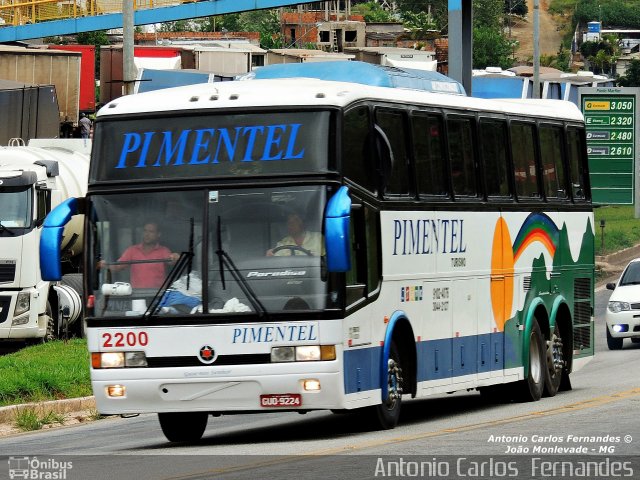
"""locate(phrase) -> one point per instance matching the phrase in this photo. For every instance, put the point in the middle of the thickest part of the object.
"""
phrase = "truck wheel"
(75, 281)
(183, 426)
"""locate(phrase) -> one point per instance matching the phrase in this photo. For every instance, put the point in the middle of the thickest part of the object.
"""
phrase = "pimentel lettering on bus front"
(278, 333)
(205, 145)
(427, 236)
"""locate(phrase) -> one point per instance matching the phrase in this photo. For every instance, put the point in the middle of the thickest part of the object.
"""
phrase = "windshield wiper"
(6, 229)
(225, 259)
(184, 261)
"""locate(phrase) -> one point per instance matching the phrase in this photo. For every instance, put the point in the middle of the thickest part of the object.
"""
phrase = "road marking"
(572, 407)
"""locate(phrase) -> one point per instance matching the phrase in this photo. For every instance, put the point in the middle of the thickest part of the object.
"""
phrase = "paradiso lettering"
(426, 237)
(210, 146)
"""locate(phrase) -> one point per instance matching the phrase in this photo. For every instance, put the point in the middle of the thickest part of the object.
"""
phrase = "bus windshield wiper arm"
(183, 261)
(5, 229)
(225, 259)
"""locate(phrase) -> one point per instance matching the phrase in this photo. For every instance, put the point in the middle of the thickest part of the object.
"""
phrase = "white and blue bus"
(333, 246)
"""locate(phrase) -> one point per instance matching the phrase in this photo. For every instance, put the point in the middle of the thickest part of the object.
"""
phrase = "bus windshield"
(255, 250)
(16, 207)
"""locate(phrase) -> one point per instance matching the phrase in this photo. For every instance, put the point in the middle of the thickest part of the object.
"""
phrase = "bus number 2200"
(125, 339)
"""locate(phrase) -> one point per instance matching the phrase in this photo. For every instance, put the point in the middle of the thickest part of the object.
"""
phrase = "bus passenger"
(147, 273)
(299, 240)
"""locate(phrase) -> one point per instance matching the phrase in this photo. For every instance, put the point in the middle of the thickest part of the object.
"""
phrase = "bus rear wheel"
(183, 426)
(530, 389)
(555, 363)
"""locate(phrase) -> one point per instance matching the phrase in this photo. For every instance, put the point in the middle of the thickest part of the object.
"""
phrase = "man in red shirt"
(146, 275)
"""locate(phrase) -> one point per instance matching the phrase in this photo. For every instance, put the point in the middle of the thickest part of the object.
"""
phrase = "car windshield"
(16, 207)
(257, 250)
(631, 275)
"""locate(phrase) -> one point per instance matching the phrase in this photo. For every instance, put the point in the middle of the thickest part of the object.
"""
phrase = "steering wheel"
(292, 248)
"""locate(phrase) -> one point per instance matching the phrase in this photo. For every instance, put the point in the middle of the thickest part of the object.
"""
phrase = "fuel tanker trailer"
(34, 179)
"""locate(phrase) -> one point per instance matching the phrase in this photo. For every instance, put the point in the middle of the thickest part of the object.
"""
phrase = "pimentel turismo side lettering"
(424, 237)
(206, 144)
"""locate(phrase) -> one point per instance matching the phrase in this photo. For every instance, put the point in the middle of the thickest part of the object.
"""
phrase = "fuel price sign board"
(610, 115)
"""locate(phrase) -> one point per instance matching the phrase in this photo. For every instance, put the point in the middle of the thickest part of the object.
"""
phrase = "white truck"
(33, 180)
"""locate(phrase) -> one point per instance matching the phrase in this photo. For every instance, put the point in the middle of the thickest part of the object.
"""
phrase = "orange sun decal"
(537, 228)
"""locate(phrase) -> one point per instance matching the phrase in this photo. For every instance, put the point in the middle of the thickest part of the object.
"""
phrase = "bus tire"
(530, 389)
(556, 363)
(612, 342)
(183, 426)
(387, 413)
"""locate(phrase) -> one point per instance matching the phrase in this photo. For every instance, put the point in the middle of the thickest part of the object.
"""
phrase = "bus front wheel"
(388, 412)
(183, 427)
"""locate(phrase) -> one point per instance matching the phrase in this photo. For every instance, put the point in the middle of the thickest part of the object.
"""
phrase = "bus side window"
(493, 148)
(553, 174)
(364, 276)
(575, 149)
(523, 150)
(428, 154)
(357, 155)
(461, 156)
(392, 124)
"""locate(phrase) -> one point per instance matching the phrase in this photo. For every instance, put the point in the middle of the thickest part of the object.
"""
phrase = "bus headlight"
(308, 353)
(118, 359)
(283, 354)
(303, 353)
(23, 302)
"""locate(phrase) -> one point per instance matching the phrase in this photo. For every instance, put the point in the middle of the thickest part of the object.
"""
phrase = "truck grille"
(7, 270)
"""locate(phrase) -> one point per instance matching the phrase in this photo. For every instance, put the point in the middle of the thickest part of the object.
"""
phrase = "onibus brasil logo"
(34, 468)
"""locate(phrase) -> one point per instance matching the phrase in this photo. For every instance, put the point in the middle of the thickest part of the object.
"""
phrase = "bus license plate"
(281, 400)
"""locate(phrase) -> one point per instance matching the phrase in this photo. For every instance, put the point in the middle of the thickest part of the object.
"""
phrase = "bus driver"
(299, 240)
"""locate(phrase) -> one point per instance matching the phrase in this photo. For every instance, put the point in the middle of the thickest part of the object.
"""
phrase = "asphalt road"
(598, 417)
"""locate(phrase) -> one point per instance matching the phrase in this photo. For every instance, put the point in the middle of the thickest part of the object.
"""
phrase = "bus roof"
(307, 92)
(364, 73)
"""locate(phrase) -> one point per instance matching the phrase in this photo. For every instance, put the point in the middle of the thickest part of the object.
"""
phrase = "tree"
(490, 49)
(418, 23)
(488, 14)
(372, 12)
(602, 54)
(439, 10)
(266, 22)
(632, 76)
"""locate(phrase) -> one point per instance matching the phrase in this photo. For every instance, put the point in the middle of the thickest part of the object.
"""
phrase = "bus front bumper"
(256, 393)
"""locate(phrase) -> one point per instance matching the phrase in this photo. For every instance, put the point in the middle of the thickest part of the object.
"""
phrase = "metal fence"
(22, 12)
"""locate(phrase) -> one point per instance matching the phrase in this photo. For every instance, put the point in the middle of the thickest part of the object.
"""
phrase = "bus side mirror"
(336, 231)
(51, 238)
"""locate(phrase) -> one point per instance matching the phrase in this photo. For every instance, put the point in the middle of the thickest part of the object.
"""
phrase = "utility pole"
(536, 48)
(128, 65)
